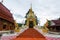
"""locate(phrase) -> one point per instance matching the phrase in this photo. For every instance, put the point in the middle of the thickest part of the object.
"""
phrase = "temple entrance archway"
(31, 24)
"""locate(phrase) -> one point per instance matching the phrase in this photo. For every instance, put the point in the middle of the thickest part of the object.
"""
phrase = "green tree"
(36, 20)
(19, 24)
(49, 23)
(25, 22)
(27, 14)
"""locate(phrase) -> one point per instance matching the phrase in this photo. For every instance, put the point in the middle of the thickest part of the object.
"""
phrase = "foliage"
(49, 23)
(36, 20)
(27, 14)
(25, 22)
(19, 24)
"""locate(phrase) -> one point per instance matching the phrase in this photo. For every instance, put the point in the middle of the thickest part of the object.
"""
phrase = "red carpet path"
(30, 34)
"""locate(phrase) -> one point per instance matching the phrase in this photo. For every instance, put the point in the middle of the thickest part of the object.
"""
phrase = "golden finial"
(31, 7)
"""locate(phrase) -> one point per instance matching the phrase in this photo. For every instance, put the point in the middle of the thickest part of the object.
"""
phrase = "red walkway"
(30, 34)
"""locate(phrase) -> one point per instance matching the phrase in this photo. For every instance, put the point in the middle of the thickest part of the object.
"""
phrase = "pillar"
(1, 25)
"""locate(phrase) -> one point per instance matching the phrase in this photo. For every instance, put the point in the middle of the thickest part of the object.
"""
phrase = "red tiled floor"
(30, 34)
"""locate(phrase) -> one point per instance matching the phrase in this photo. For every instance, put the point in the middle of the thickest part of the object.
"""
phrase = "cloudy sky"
(44, 9)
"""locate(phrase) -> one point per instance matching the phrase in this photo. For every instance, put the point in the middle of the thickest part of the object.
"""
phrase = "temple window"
(4, 26)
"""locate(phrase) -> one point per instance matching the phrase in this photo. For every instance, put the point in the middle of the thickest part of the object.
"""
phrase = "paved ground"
(30, 34)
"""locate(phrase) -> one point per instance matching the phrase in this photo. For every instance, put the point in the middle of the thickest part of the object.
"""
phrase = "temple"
(53, 25)
(31, 18)
(6, 19)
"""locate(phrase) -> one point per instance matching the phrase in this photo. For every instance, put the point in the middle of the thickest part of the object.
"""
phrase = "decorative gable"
(52, 23)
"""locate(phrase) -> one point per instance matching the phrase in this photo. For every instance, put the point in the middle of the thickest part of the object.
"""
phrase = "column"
(1, 25)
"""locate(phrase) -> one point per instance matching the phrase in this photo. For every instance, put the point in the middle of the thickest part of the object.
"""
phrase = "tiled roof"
(57, 22)
(5, 13)
(2, 7)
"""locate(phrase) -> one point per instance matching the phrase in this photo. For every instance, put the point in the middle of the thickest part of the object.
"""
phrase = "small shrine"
(31, 18)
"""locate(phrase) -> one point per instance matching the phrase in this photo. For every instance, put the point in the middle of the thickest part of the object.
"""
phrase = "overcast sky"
(44, 9)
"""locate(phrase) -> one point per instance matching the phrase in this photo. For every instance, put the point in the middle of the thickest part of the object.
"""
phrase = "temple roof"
(2, 7)
(5, 13)
(57, 22)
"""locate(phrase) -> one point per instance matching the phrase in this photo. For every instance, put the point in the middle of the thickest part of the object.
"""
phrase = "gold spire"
(31, 7)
